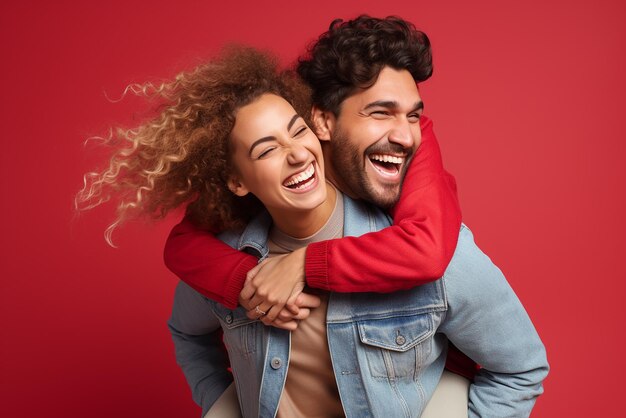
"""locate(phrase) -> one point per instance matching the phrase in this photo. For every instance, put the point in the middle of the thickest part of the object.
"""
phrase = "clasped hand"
(273, 289)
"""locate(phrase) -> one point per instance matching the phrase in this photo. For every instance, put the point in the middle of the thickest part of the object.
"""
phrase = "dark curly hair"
(182, 155)
(351, 54)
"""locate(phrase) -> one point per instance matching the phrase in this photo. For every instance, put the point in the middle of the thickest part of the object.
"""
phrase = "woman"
(234, 147)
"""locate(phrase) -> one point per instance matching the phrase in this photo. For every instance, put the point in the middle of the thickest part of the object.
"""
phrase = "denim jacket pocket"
(240, 332)
(395, 347)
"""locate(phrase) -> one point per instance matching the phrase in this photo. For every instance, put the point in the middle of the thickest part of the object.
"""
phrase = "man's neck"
(333, 177)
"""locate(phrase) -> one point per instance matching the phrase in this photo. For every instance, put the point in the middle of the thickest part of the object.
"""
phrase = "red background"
(528, 103)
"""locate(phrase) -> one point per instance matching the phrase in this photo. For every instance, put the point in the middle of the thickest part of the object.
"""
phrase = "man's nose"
(297, 154)
(406, 134)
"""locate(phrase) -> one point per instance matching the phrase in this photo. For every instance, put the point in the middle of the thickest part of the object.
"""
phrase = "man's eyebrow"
(259, 142)
(389, 104)
(392, 104)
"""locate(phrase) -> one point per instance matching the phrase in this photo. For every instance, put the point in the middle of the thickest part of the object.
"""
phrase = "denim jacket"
(388, 350)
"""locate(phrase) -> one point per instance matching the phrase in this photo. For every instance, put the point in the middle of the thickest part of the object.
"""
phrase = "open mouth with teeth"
(302, 180)
(387, 165)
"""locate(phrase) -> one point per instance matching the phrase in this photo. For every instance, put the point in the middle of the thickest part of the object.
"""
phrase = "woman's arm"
(199, 349)
(488, 323)
(427, 220)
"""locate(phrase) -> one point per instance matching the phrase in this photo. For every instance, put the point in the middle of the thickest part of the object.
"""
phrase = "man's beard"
(349, 164)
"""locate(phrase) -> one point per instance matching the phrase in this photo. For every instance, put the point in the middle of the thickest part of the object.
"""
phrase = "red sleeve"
(207, 264)
(415, 250)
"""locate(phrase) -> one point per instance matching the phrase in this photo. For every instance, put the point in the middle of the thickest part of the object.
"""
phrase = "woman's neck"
(302, 224)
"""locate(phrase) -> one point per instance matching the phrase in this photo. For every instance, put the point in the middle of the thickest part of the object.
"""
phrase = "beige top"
(310, 388)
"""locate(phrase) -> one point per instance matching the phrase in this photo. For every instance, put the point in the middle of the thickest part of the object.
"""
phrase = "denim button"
(229, 318)
(400, 340)
(276, 363)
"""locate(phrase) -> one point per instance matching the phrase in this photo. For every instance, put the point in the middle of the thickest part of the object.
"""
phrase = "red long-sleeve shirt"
(415, 250)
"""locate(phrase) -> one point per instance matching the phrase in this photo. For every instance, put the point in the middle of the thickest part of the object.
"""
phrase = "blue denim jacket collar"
(253, 239)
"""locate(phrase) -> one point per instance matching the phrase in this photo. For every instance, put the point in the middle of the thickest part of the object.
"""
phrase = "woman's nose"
(297, 154)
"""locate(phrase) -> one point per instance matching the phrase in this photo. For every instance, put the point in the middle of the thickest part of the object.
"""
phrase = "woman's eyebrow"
(293, 120)
(259, 142)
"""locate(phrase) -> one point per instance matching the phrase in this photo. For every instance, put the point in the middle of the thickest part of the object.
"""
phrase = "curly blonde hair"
(182, 155)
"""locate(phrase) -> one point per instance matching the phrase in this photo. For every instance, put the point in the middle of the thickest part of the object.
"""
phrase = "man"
(367, 115)
(426, 218)
(426, 226)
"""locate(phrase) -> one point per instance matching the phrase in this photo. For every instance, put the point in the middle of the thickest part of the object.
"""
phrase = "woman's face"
(277, 157)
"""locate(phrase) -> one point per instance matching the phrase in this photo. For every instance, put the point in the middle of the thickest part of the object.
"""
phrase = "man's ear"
(237, 187)
(323, 123)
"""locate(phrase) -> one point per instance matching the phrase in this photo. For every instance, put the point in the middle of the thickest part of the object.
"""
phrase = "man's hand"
(273, 284)
(286, 318)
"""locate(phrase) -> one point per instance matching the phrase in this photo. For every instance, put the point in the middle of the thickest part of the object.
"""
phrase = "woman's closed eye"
(272, 144)
(300, 131)
(266, 152)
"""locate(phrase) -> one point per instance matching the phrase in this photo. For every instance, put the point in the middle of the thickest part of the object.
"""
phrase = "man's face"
(374, 137)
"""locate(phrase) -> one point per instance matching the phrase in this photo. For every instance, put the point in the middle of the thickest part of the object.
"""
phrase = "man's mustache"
(389, 148)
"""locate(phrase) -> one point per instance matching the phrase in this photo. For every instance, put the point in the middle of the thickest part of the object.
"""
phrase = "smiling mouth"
(301, 179)
(388, 165)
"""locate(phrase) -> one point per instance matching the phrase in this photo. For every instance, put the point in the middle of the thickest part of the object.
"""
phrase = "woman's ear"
(237, 187)
(323, 123)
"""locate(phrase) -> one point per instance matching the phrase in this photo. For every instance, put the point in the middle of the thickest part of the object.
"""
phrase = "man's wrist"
(316, 265)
